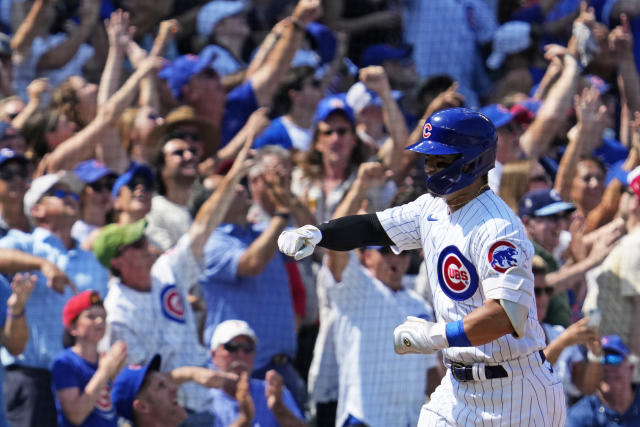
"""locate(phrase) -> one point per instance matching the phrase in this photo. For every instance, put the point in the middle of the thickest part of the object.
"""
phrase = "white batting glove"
(299, 243)
(417, 335)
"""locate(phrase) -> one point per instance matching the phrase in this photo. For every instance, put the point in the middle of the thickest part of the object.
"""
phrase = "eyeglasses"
(7, 174)
(339, 131)
(612, 359)
(140, 180)
(102, 185)
(315, 83)
(183, 134)
(233, 347)
(62, 194)
(548, 290)
(180, 152)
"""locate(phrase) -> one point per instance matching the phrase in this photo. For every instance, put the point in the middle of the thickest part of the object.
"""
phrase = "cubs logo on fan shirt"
(103, 403)
(502, 256)
(457, 276)
(171, 303)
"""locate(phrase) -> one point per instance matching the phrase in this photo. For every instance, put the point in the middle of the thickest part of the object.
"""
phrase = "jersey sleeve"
(63, 374)
(402, 223)
(501, 245)
(186, 269)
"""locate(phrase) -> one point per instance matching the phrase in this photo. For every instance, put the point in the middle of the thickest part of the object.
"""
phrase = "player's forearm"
(354, 231)
(487, 323)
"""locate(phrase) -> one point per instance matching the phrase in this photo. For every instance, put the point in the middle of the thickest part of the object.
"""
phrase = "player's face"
(387, 267)
(161, 399)
(236, 356)
(435, 163)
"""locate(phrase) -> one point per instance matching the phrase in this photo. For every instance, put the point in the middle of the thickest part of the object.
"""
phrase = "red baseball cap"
(79, 303)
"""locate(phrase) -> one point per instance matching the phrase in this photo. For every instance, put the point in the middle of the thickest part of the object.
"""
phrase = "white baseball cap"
(228, 330)
(511, 37)
(42, 184)
(215, 11)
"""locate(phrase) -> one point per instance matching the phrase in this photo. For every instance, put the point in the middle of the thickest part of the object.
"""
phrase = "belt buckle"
(458, 365)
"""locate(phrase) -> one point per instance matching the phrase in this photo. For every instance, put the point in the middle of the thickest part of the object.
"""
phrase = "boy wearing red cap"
(81, 378)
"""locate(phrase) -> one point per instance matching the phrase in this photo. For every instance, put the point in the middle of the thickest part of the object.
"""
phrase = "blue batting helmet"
(458, 131)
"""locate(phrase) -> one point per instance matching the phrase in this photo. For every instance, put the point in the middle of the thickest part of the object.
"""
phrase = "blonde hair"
(514, 182)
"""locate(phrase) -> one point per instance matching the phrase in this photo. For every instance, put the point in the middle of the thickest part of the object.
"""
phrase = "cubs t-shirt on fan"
(70, 370)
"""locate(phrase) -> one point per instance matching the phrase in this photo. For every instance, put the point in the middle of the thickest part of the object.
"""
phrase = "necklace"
(454, 206)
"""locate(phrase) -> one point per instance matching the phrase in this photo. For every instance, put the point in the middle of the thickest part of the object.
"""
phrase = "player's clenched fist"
(417, 335)
(299, 243)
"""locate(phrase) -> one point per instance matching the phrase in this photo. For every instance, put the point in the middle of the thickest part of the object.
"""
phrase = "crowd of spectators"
(151, 152)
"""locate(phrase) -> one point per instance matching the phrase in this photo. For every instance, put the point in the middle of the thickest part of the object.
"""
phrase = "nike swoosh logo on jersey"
(431, 218)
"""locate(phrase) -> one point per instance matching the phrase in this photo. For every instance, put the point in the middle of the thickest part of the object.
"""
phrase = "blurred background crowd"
(151, 152)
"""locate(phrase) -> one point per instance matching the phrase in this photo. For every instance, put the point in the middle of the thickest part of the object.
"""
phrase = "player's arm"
(341, 234)
(494, 319)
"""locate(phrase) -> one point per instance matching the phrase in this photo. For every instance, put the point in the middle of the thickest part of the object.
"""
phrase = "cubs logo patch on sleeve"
(457, 276)
(171, 303)
(502, 256)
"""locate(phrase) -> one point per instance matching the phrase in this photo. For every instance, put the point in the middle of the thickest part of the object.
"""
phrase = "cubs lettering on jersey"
(171, 303)
(457, 276)
(502, 256)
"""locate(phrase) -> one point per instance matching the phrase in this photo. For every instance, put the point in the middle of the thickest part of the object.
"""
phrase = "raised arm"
(119, 33)
(215, 208)
(266, 79)
(14, 261)
(369, 174)
(375, 79)
(60, 55)
(28, 29)
(16, 333)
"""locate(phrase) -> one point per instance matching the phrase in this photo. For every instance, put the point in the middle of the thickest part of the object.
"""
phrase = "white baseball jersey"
(466, 254)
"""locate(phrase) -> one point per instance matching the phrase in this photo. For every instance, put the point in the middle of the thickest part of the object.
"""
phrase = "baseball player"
(479, 271)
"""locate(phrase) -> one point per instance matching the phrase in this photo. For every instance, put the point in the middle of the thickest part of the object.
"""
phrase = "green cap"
(113, 237)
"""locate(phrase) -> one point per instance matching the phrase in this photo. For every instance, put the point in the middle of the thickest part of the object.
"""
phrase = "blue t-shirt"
(5, 293)
(225, 407)
(70, 370)
(241, 102)
(590, 412)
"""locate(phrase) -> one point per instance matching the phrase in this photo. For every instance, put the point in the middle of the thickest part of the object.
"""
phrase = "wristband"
(592, 358)
(456, 335)
(12, 315)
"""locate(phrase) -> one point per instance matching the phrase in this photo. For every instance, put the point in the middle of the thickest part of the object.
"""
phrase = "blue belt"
(465, 373)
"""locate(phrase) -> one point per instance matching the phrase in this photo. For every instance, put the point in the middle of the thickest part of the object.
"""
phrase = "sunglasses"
(233, 347)
(102, 185)
(612, 359)
(339, 131)
(7, 174)
(548, 290)
(184, 135)
(62, 194)
(180, 152)
(139, 180)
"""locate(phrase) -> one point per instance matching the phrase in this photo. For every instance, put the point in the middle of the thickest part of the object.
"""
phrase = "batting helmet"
(458, 131)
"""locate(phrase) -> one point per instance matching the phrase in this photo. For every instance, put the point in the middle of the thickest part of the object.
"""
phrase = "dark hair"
(35, 131)
(594, 159)
(68, 340)
(293, 81)
(64, 98)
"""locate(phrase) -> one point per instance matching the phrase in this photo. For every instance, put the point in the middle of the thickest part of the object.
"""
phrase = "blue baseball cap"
(378, 53)
(180, 71)
(323, 41)
(498, 114)
(7, 154)
(92, 170)
(615, 344)
(129, 174)
(543, 202)
(128, 383)
(330, 105)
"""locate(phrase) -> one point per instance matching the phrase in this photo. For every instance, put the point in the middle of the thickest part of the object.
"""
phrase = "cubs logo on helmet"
(502, 256)
(457, 276)
(171, 303)
(426, 131)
